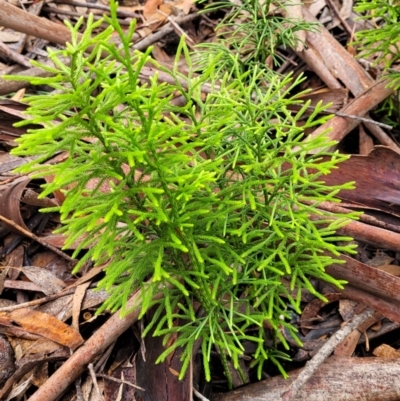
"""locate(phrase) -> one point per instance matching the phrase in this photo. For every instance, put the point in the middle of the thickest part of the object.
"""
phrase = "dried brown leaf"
(184, 5)
(79, 295)
(150, 8)
(44, 279)
(35, 322)
(10, 203)
(62, 307)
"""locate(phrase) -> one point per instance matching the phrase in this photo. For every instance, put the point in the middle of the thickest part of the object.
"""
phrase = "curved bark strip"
(338, 379)
(14, 18)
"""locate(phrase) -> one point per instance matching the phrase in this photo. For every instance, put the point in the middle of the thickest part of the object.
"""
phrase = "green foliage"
(213, 203)
(381, 45)
(255, 31)
(381, 42)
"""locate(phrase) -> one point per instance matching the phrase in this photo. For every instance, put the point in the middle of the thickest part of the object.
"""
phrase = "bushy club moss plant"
(207, 202)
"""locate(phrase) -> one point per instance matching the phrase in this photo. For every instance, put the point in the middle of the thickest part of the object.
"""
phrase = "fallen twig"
(358, 118)
(39, 301)
(167, 29)
(37, 239)
(120, 381)
(323, 354)
(199, 395)
(13, 55)
(60, 11)
(120, 12)
(339, 127)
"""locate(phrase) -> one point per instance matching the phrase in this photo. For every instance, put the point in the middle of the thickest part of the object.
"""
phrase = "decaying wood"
(376, 236)
(14, 18)
(340, 62)
(367, 278)
(389, 309)
(338, 379)
(376, 177)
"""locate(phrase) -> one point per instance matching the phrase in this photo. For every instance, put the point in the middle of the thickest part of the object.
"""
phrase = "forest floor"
(54, 346)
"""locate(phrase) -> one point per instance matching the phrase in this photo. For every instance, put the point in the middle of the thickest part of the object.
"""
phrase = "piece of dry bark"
(338, 379)
(376, 236)
(14, 18)
(390, 309)
(339, 61)
(332, 62)
(376, 177)
(160, 381)
(369, 234)
(7, 86)
(367, 278)
(365, 218)
(13, 55)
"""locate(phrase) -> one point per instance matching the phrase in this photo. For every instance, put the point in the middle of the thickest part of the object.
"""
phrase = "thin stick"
(114, 379)
(121, 13)
(14, 56)
(39, 301)
(36, 238)
(78, 388)
(155, 37)
(346, 26)
(59, 11)
(94, 380)
(352, 116)
(199, 395)
(324, 352)
(178, 30)
(362, 119)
